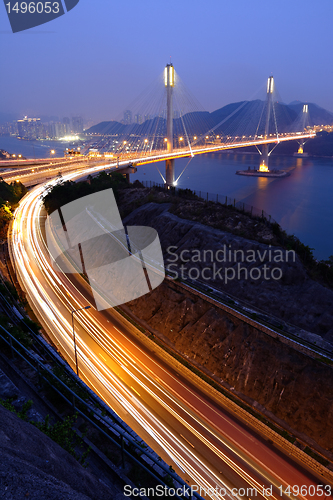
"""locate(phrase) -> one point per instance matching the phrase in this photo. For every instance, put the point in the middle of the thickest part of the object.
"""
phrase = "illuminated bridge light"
(169, 75)
(270, 85)
(263, 167)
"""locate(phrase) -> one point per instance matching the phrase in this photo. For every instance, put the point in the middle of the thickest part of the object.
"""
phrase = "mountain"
(317, 115)
(236, 119)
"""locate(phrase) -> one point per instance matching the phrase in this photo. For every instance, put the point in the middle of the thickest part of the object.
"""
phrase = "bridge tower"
(304, 122)
(269, 100)
(169, 82)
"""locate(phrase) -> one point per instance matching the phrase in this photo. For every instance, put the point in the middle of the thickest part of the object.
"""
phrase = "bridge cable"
(181, 173)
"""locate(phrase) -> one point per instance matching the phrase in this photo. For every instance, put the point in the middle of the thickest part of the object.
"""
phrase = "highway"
(17, 162)
(182, 421)
(195, 149)
(35, 174)
(32, 171)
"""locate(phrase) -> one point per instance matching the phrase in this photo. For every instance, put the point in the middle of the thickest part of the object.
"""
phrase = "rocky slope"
(294, 387)
(288, 292)
(35, 467)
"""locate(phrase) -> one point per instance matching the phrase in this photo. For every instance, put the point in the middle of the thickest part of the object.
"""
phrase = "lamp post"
(14, 259)
(75, 351)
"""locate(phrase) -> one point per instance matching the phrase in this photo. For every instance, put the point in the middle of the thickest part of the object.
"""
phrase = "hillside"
(275, 376)
(293, 298)
(321, 145)
(317, 115)
(244, 120)
(282, 381)
(33, 466)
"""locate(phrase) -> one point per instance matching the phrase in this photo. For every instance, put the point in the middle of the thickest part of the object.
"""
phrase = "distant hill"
(317, 115)
(239, 118)
(321, 145)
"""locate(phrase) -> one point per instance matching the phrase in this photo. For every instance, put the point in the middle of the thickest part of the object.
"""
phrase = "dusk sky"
(98, 57)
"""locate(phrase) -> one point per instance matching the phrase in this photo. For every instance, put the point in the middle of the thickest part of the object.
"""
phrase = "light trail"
(141, 158)
(217, 450)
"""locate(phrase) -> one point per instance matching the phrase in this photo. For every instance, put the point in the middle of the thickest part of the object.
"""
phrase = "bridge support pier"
(169, 172)
(304, 123)
(265, 150)
(126, 171)
(169, 82)
(264, 159)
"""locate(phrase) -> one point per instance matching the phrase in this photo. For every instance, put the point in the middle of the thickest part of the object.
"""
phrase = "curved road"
(183, 423)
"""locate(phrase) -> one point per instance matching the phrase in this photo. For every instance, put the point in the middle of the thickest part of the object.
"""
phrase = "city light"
(69, 138)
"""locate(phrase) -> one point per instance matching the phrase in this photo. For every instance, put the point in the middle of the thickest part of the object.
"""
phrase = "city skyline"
(222, 54)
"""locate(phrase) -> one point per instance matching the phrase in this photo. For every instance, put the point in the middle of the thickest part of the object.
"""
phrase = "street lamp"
(73, 312)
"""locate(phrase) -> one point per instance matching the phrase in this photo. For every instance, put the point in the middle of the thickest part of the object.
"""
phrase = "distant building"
(77, 124)
(146, 117)
(127, 117)
(138, 119)
(9, 128)
(56, 130)
(30, 128)
(67, 123)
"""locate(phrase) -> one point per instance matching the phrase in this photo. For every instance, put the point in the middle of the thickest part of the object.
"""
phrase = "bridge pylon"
(304, 123)
(269, 101)
(169, 82)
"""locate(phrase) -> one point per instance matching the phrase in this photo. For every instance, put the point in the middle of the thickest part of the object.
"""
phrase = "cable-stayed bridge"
(169, 123)
(172, 125)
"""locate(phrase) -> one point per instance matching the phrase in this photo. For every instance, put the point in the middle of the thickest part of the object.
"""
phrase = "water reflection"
(262, 182)
(301, 203)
